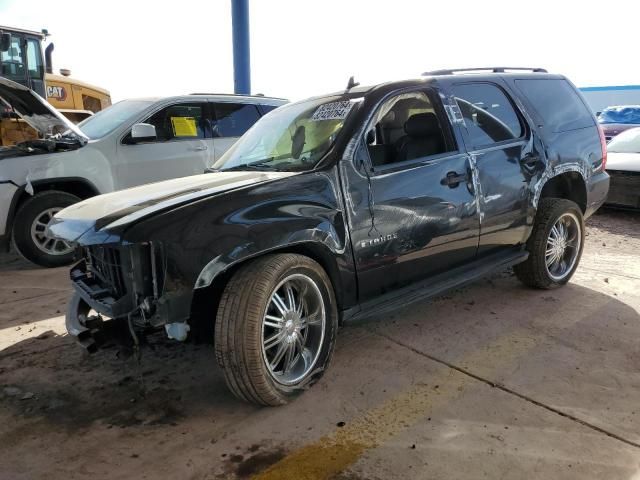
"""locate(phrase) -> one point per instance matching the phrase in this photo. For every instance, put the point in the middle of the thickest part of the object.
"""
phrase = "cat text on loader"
(23, 61)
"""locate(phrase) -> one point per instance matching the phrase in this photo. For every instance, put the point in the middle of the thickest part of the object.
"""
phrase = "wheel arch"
(215, 277)
(78, 186)
(569, 184)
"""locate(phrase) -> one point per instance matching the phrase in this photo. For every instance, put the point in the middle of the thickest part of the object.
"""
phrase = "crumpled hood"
(119, 209)
(35, 110)
(623, 161)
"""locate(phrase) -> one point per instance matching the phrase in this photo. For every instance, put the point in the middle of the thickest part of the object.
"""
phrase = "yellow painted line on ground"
(331, 454)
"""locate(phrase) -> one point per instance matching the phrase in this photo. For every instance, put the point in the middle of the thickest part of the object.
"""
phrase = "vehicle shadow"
(10, 261)
(71, 389)
(50, 378)
(30, 294)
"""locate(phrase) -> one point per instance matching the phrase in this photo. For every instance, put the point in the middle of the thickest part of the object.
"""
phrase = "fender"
(321, 238)
(89, 190)
(205, 238)
(554, 171)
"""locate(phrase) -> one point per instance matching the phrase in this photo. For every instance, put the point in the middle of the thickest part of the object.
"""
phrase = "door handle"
(199, 149)
(453, 179)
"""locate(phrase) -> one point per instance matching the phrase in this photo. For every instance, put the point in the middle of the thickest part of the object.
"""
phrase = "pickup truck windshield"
(291, 138)
(107, 120)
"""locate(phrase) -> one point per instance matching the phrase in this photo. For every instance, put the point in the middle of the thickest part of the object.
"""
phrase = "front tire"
(275, 328)
(555, 245)
(29, 230)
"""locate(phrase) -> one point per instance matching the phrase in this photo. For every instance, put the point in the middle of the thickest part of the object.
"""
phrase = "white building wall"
(599, 98)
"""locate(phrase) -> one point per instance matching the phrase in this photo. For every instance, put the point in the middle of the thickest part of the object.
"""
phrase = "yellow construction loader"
(23, 60)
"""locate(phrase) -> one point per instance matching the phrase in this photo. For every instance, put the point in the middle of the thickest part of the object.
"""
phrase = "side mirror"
(371, 137)
(5, 41)
(143, 132)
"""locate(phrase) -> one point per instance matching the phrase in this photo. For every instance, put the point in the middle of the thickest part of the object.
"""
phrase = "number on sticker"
(332, 111)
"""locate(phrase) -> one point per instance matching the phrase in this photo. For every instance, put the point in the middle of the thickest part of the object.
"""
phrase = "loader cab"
(21, 58)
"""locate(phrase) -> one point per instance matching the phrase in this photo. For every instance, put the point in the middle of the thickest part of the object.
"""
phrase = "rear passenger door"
(410, 196)
(230, 122)
(504, 153)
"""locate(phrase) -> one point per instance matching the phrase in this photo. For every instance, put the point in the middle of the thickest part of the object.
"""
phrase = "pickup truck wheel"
(29, 229)
(555, 245)
(275, 328)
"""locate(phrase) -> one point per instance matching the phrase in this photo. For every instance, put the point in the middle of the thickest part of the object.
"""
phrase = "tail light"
(603, 144)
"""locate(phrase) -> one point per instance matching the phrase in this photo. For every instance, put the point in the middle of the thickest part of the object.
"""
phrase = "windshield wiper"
(261, 165)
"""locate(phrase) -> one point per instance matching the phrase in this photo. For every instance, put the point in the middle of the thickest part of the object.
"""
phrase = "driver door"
(183, 146)
(410, 196)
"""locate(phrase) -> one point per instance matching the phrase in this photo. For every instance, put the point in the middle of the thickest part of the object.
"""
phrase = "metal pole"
(241, 55)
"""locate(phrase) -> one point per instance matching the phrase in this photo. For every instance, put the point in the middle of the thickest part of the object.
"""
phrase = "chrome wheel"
(563, 246)
(293, 328)
(45, 242)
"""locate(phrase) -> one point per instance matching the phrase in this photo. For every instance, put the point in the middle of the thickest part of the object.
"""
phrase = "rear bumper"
(624, 191)
(597, 191)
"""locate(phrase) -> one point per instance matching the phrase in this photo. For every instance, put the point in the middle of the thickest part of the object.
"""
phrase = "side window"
(557, 103)
(12, 59)
(181, 121)
(488, 114)
(34, 59)
(233, 119)
(405, 128)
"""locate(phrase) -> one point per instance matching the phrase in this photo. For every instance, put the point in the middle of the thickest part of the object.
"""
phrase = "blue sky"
(303, 48)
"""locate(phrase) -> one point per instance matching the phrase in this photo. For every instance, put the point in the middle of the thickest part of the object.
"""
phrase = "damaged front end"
(118, 292)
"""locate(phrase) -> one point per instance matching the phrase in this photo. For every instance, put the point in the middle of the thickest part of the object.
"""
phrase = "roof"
(220, 97)
(21, 30)
(476, 70)
(477, 73)
(235, 95)
(232, 97)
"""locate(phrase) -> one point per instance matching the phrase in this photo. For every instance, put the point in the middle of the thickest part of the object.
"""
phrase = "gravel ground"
(568, 361)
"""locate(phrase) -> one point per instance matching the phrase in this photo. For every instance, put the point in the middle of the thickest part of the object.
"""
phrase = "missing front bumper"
(91, 330)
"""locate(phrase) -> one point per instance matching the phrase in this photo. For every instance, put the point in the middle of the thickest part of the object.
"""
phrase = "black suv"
(338, 207)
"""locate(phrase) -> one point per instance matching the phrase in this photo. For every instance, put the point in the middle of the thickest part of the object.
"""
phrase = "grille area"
(624, 189)
(105, 266)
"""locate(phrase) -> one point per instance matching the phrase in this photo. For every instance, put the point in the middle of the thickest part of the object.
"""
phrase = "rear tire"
(29, 236)
(555, 245)
(270, 349)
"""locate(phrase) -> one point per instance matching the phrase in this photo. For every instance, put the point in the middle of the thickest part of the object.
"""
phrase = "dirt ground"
(490, 381)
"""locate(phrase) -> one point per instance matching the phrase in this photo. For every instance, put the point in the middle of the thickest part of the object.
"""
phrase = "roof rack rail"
(453, 71)
(218, 93)
(259, 95)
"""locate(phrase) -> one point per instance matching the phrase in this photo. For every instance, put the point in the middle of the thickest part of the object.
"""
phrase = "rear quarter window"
(557, 104)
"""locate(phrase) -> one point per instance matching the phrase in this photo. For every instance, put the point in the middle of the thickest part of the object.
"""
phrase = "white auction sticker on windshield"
(332, 111)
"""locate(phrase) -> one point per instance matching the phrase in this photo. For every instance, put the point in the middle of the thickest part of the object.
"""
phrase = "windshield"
(107, 120)
(627, 142)
(291, 138)
(620, 115)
